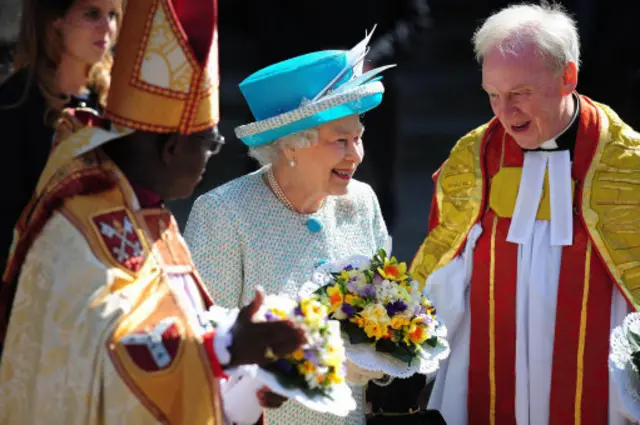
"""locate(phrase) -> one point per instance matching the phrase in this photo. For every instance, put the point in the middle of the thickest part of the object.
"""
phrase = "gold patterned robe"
(105, 326)
(531, 343)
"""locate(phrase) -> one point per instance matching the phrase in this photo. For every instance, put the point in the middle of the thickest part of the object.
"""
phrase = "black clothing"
(26, 143)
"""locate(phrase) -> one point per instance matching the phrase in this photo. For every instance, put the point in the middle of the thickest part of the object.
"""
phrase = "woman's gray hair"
(548, 26)
(270, 153)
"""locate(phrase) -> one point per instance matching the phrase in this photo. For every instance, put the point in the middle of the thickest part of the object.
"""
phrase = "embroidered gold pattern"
(165, 64)
(611, 201)
(459, 196)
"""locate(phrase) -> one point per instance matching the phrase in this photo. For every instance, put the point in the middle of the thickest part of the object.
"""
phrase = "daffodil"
(393, 271)
(417, 333)
(335, 297)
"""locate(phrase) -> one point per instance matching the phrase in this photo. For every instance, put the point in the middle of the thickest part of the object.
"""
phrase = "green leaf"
(356, 334)
(321, 291)
(432, 342)
(369, 275)
(294, 380)
(400, 352)
(635, 360)
(386, 346)
(634, 339)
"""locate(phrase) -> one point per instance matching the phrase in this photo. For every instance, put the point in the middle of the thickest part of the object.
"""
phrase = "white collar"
(551, 143)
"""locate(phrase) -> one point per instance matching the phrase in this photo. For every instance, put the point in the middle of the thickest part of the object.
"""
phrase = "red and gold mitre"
(165, 75)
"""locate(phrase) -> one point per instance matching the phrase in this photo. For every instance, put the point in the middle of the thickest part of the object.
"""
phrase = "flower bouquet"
(624, 362)
(314, 375)
(388, 324)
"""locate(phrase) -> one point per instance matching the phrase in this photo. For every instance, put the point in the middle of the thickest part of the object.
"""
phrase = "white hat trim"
(308, 109)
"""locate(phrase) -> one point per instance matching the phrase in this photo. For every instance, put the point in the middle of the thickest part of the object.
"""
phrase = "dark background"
(436, 86)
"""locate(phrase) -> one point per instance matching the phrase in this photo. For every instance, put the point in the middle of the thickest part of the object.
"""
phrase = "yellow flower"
(306, 368)
(417, 333)
(351, 299)
(331, 356)
(375, 313)
(345, 275)
(314, 312)
(398, 322)
(277, 312)
(393, 270)
(298, 355)
(359, 321)
(334, 378)
(375, 330)
(335, 297)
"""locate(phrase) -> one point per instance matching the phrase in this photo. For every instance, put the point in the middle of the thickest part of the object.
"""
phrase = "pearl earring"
(292, 163)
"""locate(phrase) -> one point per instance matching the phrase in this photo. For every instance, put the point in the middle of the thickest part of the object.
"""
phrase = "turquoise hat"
(309, 90)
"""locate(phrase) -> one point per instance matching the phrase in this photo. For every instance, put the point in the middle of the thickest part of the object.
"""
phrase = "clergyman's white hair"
(547, 26)
(270, 153)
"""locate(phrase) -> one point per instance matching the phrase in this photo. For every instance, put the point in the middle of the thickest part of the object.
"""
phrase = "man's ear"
(169, 147)
(569, 78)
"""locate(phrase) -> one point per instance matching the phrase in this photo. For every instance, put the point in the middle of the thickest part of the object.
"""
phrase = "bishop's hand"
(258, 342)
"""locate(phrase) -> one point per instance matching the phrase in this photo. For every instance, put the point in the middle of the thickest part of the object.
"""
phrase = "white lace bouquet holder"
(244, 382)
(365, 355)
(625, 341)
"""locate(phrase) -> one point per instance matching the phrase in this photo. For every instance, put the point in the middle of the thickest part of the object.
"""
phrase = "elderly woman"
(273, 227)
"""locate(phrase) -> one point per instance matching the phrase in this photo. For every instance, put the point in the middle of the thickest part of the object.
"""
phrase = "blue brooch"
(314, 225)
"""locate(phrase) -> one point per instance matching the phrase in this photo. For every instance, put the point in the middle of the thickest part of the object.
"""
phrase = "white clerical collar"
(551, 144)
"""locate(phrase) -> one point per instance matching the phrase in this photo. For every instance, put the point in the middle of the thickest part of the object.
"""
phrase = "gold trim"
(492, 325)
(610, 201)
(459, 194)
(582, 337)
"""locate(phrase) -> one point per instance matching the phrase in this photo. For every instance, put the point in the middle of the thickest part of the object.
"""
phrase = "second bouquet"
(388, 323)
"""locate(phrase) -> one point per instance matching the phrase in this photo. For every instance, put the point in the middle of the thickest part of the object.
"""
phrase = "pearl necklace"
(313, 224)
(278, 191)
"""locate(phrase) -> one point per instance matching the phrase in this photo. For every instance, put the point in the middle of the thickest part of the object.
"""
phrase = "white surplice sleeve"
(213, 236)
(447, 287)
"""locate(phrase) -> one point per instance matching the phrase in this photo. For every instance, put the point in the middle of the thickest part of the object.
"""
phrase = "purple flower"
(348, 268)
(368, 291)
(298, 312)
(283, 365)
(419, 310)
(352, 288)
(311, 355)
(270, 316)
(377, 279)
(395, 307)
(348, 310)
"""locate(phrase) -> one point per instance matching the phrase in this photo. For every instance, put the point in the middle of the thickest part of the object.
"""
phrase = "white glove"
(239, 397)
(359, 376)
